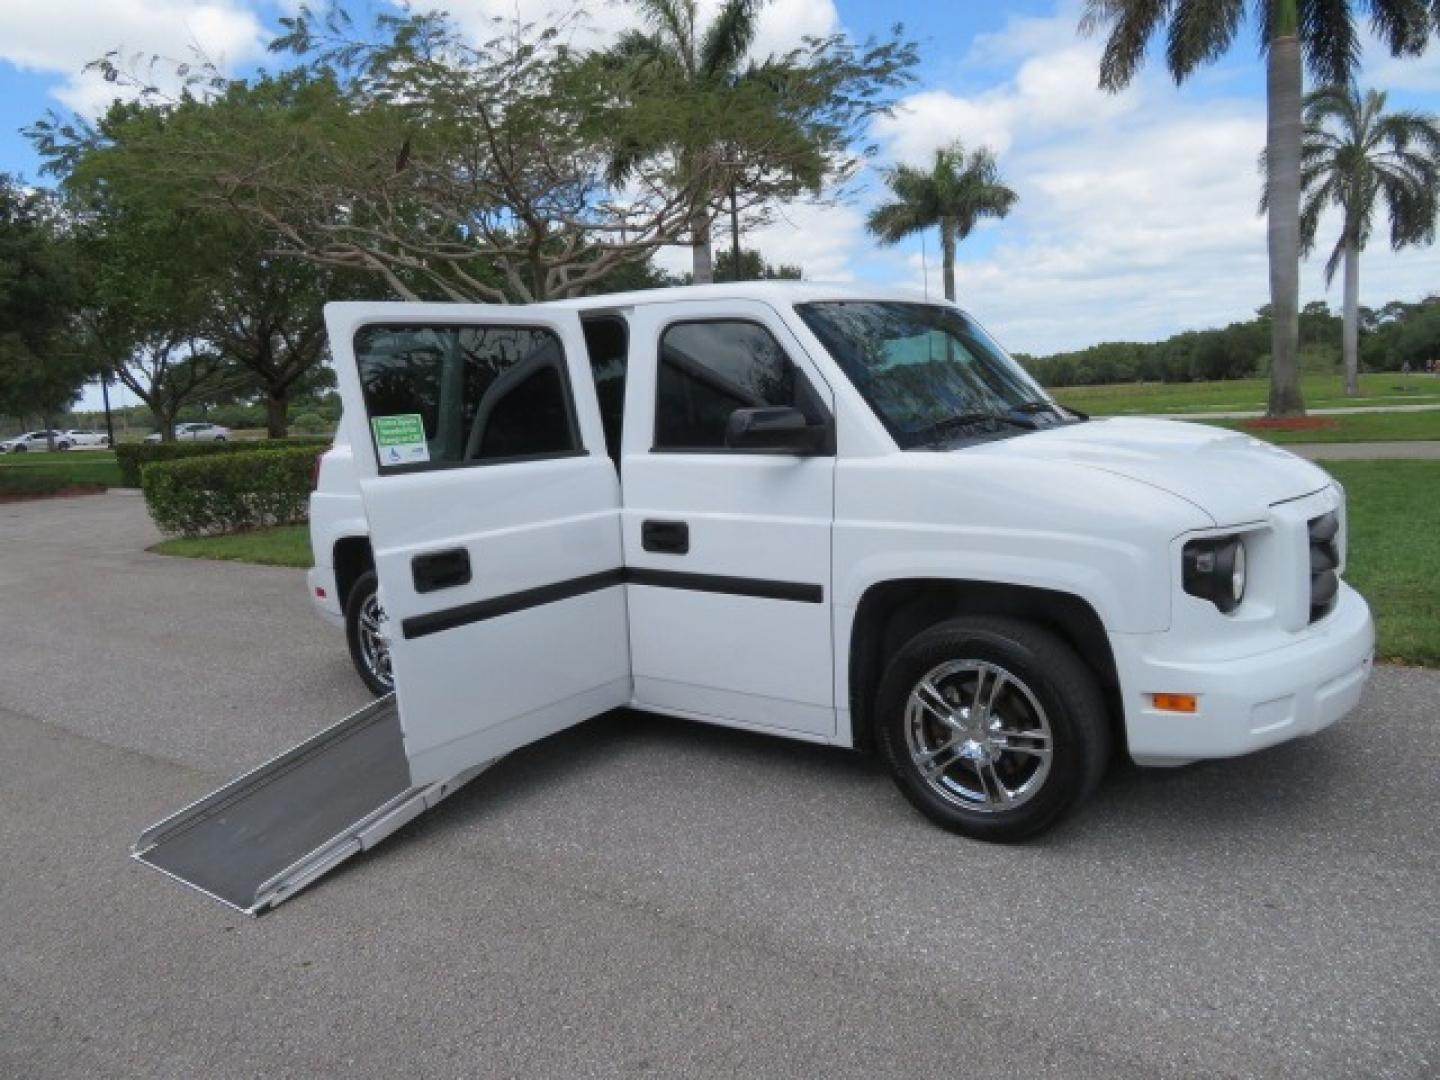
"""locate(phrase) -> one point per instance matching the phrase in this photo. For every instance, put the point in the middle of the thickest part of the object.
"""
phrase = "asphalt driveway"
(648, 897)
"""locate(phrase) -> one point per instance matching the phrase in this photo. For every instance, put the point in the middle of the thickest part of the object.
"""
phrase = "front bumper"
(1245, 703)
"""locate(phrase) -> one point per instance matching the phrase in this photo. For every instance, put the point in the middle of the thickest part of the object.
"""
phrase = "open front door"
(494, 519)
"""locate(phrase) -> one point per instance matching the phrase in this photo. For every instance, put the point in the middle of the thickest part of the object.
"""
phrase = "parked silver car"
(33, 441)
(195, 433)
(86, 438)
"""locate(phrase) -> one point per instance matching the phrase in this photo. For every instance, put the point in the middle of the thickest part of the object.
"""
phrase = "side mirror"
(779, 429)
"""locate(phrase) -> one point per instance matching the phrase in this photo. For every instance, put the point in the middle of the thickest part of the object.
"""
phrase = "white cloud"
(62, 36)
(1048, 92)
(1137, 212)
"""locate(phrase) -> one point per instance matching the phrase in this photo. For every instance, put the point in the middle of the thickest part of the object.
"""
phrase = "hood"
(1232, 477)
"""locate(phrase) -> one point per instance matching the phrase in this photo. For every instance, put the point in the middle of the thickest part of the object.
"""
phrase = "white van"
(832, 514)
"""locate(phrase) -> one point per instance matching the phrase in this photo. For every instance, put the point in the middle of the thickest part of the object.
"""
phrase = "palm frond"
(1329, 39)
(1404, 25)
(674, 19)
(1201, 31)
(729, 37)
(1131, 24)
(892, 222)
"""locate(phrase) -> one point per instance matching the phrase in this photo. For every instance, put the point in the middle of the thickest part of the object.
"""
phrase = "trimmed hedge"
(133, 457)
(217, 493)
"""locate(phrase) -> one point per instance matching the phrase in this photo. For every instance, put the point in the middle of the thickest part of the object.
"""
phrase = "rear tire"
(992, 727)
(365, 625)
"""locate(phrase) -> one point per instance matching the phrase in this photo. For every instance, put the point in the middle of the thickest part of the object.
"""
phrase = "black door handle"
(665, 537)
(440, 569)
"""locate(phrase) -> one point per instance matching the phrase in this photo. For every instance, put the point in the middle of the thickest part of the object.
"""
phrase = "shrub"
(229, 492)
(311, 422)
(133, 457)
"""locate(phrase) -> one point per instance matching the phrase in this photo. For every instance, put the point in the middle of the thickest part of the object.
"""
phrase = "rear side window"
(607, 340)
(444, 396)
(707, 370)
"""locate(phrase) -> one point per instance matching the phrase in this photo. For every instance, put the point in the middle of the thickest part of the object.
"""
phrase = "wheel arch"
(352, 558)
(892, 612)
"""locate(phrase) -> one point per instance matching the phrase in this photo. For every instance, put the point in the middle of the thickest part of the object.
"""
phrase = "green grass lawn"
(1321, 391)
(1395, 552)
(284, 545)
(1362, 427)
(43, 474)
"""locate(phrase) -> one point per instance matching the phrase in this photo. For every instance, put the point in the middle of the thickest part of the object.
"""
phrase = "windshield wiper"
(1029, 408)
(969, 419)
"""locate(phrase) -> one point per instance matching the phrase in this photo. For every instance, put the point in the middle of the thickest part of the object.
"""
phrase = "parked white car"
(833, 514)
(194, 433)
(86, 438)
(36, 442)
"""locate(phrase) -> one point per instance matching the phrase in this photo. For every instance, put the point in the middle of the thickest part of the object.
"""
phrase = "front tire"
(365, 633)
(992, 727)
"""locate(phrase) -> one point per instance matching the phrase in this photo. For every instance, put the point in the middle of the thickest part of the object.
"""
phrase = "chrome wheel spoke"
(927, 695)
(933, 763)
(991, 784)
(997, 687)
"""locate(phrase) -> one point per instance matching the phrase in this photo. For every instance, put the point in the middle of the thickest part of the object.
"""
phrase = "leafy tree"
(41, 368)
(781, 128)
(1355, 156)
(954, 194)
(1294, 34)
(267, 317)
(753, 267)
(178, 278)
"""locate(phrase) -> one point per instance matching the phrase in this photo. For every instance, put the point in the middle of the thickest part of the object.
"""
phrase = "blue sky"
(1137, 211)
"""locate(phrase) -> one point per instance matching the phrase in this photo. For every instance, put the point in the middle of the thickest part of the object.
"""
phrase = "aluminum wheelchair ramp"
(266, 835)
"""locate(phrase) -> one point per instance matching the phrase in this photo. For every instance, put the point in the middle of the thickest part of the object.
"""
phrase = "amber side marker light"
(1182, 703)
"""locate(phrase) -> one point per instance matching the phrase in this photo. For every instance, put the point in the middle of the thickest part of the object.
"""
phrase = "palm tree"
(1327, 41)
(1356, 154)
(698, 65)
(956, 192)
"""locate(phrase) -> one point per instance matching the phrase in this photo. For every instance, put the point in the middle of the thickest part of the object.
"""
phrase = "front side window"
(709, 369)
(441, 396)
(929, 372)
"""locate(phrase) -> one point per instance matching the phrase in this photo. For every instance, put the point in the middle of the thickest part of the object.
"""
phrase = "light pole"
(734, 232)
(105, 395)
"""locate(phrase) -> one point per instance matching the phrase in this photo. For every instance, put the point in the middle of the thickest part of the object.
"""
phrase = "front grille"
(1324, 564)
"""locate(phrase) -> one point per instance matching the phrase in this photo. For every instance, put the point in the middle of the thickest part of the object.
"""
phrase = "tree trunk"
(277, 414)
(1284, 79)
(1351, 333)
(703, 262)
(165, 421)
(947, 256)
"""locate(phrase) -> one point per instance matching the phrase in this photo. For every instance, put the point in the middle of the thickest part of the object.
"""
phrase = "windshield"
(928, 371)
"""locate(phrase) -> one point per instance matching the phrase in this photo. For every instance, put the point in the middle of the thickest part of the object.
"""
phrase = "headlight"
(1214, 570)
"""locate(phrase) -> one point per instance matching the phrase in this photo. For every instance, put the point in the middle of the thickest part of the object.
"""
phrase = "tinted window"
(709, 369)
(928, 371)
(607, 340)
(447, 395)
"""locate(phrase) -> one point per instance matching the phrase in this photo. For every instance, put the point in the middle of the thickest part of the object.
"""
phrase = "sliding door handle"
(440, 570)
(665, 537)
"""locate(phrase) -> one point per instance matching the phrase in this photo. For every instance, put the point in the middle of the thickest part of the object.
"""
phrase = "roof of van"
(783, 292)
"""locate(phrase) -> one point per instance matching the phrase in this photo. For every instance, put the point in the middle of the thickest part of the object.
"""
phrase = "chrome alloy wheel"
(374, 641)
(978, 736)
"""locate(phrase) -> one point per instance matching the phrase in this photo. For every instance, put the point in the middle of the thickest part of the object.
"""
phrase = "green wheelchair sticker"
(400, 440)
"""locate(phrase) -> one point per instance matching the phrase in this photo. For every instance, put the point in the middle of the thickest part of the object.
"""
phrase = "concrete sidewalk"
(1255, 414)
(1419, 450)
